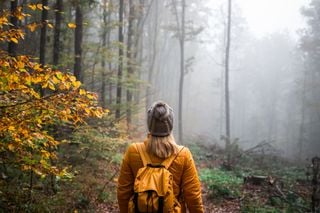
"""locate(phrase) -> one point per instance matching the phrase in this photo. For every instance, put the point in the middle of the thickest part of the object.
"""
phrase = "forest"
(77, 78)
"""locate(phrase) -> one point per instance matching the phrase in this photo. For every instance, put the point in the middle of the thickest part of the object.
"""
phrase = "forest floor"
(257, 194)
(281, 186)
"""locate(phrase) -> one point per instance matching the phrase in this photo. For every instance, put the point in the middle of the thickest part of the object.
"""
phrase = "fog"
(267, 72)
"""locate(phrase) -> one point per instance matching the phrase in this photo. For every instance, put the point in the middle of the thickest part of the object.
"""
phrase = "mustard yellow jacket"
(185, 179)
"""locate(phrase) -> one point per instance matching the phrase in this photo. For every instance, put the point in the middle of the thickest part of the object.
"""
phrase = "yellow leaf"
(32, 27)
(55, 80)
(87, 111)
(76, 84)
(62, 86)
(39, 6)
(72, 78)
(59, 75)
(14, 40)
(82, 92)
(37, 79)
(45, 154)
(32, 6)
(26, 167)
(51, 86)
(90, 96)
(11, 147)
(11, 128)
(72, 25)
(46, 7)
(20, 64)
(28, 80)
(50, 25)
(45, 85)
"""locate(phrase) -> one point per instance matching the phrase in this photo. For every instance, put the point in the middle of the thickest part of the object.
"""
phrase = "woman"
(160, 145)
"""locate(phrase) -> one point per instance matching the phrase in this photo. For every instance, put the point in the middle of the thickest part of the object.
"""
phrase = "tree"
(120, 60)
(106, 14)
(57, 31)
(181, 38)
(310, 44)
(26, 114)
(12, 46)
(78, 43)
(130, 59)
(181, 42)
(153, 32)
(43, 34)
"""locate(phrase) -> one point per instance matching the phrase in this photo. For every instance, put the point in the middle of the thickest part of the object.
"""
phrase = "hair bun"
(160, 119)
(161, 111)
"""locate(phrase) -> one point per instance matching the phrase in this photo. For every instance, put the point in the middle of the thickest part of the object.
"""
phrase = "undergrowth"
(221, 184)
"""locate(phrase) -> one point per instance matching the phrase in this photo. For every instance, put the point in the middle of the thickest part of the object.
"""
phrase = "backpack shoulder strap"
(167, 162)
(143, 154)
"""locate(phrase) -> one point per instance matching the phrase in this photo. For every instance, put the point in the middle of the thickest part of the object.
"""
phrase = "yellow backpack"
(153, 186)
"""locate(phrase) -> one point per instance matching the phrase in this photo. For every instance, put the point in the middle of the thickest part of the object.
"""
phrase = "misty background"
(267, 73)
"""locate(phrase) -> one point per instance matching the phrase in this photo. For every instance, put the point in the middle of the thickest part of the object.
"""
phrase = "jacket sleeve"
(191, 185)
(125, 182)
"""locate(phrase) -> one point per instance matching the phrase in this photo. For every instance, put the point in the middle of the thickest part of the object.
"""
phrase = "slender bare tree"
(227, 69)
(78, 33)
(120, 61)
(57, 31)
(43, 34)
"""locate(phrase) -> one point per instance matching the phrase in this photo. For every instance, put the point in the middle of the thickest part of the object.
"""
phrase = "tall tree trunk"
(227, 63)
(153, 52)
(130, 62)
(120, 61)
(303, 112)
(138, 44)
(43, 34)
(181, 81)
(57, 30)
(78, 44)
(103, 62)
(12, 47)
(109, 62)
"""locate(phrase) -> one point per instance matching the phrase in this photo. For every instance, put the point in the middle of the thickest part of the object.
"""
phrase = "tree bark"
(130, 62)
(181, 38)
(153, 52)
(57, 31)
(227, 64)
(78, 44)
(109, 62)
(120, 61)
(43, 34)
(103, 63)
(181, 81)
(303, 112)
(12, 47)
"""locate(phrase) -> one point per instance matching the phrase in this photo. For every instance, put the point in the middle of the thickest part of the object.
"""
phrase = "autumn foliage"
(33, 97)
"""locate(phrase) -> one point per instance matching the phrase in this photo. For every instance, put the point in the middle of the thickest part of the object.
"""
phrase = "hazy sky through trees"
(269, 16)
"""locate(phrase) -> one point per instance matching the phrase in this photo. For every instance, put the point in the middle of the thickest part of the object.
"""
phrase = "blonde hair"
(162, 147)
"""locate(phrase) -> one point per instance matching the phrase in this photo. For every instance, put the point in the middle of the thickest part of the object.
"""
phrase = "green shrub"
(221, 184)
